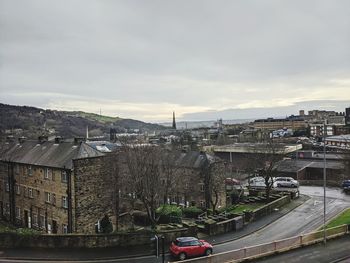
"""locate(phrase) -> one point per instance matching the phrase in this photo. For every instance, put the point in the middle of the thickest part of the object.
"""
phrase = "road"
(303, 219)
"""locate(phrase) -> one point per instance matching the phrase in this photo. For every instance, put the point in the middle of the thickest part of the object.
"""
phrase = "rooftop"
(258, 148)
(50, 154)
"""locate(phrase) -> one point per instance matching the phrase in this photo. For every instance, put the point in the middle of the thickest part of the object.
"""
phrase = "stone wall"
(266, 209)
(94, 193)
(11, 240)
(229, 225)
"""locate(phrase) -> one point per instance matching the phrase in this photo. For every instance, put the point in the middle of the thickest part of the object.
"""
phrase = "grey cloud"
(279, 112)
(184, 52)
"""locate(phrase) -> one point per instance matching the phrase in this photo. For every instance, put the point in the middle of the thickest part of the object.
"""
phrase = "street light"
(324, 182)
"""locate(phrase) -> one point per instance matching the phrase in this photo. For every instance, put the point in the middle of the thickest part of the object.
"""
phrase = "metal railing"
(241, 254)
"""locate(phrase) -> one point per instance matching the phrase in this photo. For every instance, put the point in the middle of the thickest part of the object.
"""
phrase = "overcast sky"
(144, 59)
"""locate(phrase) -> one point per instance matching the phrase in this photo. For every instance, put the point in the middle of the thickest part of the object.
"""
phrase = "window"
(202, 187)
(64, 202)
(7, 209)
(29, 170)
(7, 187)
(47, 197)
(18, 213)
(48, 173)
(30, 192)
(64, 177)
(64, 229)
(53, 199)
(35, 219)
(18, 189)
(195, 243)
(202, 203)
(42, 221)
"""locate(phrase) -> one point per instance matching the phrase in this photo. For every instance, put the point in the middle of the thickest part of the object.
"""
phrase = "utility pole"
(163, 249)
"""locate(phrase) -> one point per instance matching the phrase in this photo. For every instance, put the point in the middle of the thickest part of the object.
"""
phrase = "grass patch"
(238, 209)
(343, 218)
(97, 117)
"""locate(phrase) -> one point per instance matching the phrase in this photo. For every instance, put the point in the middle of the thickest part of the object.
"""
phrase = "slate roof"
(50, 154)
(194, 159)
(104, 146)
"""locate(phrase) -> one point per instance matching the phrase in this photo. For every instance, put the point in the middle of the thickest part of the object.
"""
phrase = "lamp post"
(324, 182)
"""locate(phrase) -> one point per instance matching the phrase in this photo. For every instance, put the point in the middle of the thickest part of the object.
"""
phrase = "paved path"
(336, 250)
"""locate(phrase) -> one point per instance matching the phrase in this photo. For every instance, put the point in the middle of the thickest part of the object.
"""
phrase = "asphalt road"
(303, 219)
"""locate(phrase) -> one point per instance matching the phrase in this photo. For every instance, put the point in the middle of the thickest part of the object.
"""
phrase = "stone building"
(43, 184)
(194, 190)
(292, 122)
(68, 186)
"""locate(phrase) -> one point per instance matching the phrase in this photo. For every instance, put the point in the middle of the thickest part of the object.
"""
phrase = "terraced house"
(68, 186)
(40, 184)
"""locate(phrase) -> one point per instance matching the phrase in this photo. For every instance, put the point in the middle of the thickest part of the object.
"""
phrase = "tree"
(264, 159)
(169, 172)
(144, 176)
(215, 182)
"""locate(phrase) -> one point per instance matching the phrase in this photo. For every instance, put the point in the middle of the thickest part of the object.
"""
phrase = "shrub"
(169, 214)
(106, 225)
(192, 211)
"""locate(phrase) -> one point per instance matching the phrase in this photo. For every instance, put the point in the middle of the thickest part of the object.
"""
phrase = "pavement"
(335, 250)
(143, 250)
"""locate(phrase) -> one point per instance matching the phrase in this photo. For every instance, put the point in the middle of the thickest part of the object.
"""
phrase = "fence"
(239, 255)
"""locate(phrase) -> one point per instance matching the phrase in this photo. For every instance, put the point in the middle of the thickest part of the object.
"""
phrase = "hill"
(32, 122)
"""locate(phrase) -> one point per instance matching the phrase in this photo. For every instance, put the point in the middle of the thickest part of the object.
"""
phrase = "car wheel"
(182, 256)
(279, 185)
(208, 252)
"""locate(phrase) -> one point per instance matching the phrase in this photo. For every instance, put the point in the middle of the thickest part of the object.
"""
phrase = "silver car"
(286, 182)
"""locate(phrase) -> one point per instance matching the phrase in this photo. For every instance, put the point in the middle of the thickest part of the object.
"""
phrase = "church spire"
(174, 123)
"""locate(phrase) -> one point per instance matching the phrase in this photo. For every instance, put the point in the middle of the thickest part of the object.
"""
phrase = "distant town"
(117, 176)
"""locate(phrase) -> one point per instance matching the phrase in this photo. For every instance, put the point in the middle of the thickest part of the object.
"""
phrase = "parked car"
(259, 182)
(346, 185)
(285, 182)
(184, 247)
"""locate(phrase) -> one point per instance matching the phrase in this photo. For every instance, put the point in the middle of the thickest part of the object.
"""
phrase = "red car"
(184, 247)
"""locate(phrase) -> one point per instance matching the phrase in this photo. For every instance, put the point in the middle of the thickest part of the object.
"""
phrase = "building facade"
(37, 184)
(67, 187)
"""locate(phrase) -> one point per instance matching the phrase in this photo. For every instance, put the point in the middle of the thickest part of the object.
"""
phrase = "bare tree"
(170, 172)
(215, 183)
(264, 159)
(144, 171)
